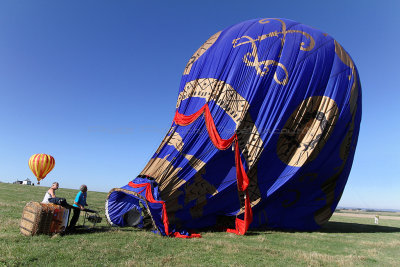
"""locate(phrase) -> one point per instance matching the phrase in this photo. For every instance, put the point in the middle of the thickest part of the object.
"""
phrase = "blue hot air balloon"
(264, 134)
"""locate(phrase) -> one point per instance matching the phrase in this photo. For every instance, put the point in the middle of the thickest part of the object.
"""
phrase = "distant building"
(27, 181)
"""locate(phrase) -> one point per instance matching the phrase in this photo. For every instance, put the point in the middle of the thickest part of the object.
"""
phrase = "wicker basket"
(59, 220)
(39, 218)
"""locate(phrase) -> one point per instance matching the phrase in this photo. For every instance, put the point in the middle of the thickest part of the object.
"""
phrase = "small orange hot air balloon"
(41, 165)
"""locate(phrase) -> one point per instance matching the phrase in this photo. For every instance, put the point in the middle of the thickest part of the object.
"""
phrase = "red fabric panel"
(241, 176)
(242, 179)
(185, 120)
(40, 166)
(178, 235)
(218, 142)
(132, 184)
(243, 225)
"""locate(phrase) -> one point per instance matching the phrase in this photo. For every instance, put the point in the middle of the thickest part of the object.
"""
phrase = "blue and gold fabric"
(292, 95)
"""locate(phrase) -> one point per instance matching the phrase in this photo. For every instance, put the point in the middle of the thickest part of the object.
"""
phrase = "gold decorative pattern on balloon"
(170, 194)
(198, 191)
(250, 143)
(223, 94)
(174, 139)
(235, 106)
(346, 59)
(322, 215)
(200, 52)
(284, 32)
(157, 167)
(262, 66)
(307, 130)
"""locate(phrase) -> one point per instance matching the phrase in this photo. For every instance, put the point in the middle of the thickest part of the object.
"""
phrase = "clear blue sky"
(94, 83)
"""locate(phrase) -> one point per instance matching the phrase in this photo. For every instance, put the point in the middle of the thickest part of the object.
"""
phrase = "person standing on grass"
(79, 204)
(376, 219)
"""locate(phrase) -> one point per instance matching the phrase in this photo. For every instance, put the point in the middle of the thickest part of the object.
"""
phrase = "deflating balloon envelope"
(287, 98)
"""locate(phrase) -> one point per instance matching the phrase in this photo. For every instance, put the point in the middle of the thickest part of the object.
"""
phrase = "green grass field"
(344, 241)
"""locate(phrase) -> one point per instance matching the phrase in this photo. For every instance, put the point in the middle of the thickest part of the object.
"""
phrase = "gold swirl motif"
(262, 65)
(284, 32)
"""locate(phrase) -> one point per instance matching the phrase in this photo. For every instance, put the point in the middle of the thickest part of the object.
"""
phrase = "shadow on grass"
(345, 227)
(79, 230)
(330, 227)
(334, 227)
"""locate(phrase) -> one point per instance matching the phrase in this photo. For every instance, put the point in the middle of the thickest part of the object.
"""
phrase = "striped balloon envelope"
(264, 134)
(41, 165)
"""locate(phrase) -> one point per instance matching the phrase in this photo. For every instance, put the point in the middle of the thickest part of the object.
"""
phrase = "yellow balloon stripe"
(49, 166)
(31, 164)
(41, 165)
(45, 164)
(36, 164)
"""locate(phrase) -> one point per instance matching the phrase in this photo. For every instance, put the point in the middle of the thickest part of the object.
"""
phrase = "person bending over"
(79, 204)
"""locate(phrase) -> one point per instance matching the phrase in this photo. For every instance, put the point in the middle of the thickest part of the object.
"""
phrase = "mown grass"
(344, 241)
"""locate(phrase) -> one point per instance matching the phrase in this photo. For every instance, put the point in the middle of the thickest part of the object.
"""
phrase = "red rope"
(242, 179)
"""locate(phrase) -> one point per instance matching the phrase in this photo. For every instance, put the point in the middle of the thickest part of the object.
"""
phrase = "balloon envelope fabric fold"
(265, 130)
